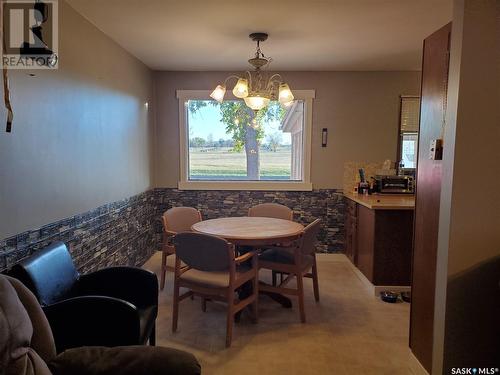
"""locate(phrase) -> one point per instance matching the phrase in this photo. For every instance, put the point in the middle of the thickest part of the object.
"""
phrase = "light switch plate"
(436, 149)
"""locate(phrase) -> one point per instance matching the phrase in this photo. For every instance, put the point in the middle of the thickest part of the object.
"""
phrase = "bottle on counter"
(401, 166)
(363, 185)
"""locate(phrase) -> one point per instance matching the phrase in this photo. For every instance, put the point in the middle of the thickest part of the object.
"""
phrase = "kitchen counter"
(384, 201)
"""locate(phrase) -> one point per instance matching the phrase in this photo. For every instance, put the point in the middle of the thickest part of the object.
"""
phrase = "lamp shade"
(218, 93)
(285, 94)
(241, 88)
(256, 102)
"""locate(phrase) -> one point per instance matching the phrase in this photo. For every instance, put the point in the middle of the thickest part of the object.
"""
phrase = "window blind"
(410, 114)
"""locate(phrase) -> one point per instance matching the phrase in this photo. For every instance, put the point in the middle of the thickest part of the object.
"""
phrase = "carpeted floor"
(348, 332)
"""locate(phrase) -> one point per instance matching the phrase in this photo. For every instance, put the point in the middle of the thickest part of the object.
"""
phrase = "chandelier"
(256, 87)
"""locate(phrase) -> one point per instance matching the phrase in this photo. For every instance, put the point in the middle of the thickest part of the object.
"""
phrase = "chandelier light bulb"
(218, 93)
(285, 94)
(241, 88)
(256, 102)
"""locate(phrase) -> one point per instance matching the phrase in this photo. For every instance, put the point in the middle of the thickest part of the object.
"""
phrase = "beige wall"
(360, 110)
(477, 140)
(469, 232)
(81, 135)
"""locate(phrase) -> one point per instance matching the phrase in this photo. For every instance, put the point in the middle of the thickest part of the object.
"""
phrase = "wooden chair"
(213, 272)
(274, 210)
(296, 261)
(175, 220)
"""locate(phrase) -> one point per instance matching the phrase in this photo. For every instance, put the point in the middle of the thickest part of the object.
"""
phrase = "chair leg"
(152, 336)
(300, 287)
(274, 277)
(163, 269)
(255, 304)
(315, 280)
(230, 318)
(175, 306)
(203, 304)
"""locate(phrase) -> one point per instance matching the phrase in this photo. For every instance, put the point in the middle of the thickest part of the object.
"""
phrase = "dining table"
(251, 231)
(255, 232)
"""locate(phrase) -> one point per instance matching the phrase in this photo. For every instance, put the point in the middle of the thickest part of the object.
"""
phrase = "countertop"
(384, 201)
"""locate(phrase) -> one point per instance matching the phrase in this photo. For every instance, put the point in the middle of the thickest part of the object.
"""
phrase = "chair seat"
(284, 256)
(171, 262)
(211, 279)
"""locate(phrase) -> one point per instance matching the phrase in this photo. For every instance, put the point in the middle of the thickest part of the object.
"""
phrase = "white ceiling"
(303, 35)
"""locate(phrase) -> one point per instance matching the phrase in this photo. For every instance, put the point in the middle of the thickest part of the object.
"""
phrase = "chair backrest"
(50, 273)
(23, 325)
(180, 219)
(274, 210)
(310, 237)
(204, 252)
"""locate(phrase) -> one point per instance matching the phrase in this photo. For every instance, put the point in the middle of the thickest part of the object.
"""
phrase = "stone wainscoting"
(119, 233)
(325, 204)
(128, 232)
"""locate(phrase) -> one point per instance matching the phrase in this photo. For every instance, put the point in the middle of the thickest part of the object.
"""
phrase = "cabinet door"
(354, 239)
(350, 230)
(349, 250)
(365, 236)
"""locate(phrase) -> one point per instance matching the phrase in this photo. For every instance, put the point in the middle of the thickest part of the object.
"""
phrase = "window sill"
(245, 185)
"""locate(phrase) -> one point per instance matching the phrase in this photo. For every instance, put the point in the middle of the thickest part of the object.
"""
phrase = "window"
(408, 131)
(227, 146)
(409, 150)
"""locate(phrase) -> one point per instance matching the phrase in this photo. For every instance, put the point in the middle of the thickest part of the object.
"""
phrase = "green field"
(223, 163)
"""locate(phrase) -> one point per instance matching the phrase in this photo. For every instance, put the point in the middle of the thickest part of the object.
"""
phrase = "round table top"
(250, 230)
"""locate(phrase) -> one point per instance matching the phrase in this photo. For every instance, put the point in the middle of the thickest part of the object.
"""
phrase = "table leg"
(246, 290)
(280, 298)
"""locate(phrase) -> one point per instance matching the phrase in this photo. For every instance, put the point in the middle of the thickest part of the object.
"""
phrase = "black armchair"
(27, 346)
(114, 306)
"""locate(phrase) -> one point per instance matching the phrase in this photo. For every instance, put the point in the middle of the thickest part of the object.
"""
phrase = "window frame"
(185, 184)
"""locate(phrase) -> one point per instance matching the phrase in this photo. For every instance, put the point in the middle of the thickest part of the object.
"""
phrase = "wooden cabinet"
(384, 240)
(379, 243)
(351, 213)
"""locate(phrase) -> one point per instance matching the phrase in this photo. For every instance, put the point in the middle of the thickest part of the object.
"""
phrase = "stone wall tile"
(116, 233)
(326, 204)
(129, 231)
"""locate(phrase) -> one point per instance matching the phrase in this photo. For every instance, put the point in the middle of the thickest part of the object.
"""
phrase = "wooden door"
(433, 107)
